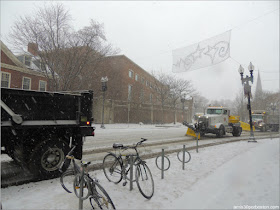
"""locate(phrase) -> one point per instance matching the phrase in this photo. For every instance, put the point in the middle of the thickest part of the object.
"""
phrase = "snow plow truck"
(38, 128)
(215, 120)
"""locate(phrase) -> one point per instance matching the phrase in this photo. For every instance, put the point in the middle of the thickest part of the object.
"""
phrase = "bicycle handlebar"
(137, 144)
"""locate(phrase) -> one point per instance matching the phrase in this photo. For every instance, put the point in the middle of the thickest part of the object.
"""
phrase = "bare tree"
(64, 54)
(239, 106)
(200, 103)
(179, 88)
(162, 88)
(169, 90)
(264, 99)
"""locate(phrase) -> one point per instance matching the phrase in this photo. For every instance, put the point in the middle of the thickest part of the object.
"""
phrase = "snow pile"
(219, 177)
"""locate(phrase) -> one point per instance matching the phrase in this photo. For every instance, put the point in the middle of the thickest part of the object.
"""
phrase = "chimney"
(33, 48)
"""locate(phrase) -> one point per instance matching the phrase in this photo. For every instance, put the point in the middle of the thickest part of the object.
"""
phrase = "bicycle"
(116, 169)
(72, 178)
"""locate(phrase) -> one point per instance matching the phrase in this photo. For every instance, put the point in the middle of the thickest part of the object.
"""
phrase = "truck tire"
(47, 157)
(220, 132)
(236, 131)
(263, 129)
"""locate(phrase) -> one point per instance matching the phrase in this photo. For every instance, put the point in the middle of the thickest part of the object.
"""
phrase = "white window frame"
(147, 83)
(9, 82)
(151, 98)
(40, 85)
(130, 73)
(29, 83)
(136, 77)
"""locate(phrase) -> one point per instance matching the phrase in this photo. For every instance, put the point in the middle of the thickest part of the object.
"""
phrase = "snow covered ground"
(226, 176)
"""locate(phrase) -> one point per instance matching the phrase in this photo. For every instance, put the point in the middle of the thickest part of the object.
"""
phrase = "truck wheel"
(236, 131)
(221, 132)
(47, 157)
(263, 129)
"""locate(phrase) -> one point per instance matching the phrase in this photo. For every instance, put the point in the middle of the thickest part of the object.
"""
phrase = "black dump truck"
(38, 128)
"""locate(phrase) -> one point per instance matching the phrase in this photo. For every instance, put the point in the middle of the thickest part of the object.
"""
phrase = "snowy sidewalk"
(218, 177)
(251, 178)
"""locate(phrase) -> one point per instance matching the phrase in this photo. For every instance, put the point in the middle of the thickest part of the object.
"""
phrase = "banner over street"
(205, 53)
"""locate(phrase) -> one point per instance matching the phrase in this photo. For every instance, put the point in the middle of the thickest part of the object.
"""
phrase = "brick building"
(15, 74)
(131, 96)
(126, 80)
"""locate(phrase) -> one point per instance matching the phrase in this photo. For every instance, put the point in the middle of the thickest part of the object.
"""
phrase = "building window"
(5, 79)
(129, 92)
(143, 80)
(147, 83)
(151, 98)
(27, 60)
(26, 83)
(42, 85)
(151, 85)
(136, 77)
(130, 73)
(141, 95)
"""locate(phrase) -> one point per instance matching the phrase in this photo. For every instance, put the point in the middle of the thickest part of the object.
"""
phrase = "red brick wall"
(17, 77)
(5, 59)
(122, 64)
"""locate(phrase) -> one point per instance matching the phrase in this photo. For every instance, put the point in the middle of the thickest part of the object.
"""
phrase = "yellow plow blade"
(190, 132)
(246, 126)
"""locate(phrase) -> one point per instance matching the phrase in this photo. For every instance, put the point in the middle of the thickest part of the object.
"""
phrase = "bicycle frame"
(137, 160)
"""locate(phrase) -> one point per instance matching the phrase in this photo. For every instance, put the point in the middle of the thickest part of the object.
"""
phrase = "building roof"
(125, 57)
(19, 66)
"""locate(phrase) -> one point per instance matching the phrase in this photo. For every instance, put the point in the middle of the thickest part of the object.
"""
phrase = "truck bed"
(40, 106)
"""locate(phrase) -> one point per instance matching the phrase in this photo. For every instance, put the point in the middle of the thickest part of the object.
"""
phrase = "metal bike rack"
(162, 163)
(184, 151)
(81, 191)
(131, 172)
(197, 142)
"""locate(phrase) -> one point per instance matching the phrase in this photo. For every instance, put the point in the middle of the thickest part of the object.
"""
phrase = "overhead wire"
(239, 26)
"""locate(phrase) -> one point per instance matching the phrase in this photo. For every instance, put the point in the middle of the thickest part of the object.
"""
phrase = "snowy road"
(169, 137)
(218, 177)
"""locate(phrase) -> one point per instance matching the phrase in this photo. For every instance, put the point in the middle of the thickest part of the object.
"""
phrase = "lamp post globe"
(241, 69)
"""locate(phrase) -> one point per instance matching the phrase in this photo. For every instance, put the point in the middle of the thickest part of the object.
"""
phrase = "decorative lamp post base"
(252, 139)
(102, 126)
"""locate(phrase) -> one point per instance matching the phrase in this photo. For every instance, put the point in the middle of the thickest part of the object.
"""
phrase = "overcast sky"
(147, 32)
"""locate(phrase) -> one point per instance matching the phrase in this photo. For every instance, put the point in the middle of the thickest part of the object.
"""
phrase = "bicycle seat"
(117, 145)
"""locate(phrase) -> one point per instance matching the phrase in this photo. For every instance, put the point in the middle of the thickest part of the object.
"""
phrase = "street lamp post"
(104, 81)
(183, 99)
(248, 94)
(273, 107)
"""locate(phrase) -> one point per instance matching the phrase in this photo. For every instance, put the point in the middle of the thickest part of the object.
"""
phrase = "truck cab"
(259, 119)
(263, 120)
(218, 115)
(216, 120)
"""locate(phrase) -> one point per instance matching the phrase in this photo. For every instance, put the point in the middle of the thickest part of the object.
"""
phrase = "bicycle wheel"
(100, 198)
(187, 156)
(112, 168)
(144, 180)
(86, 187)
(67, 180)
